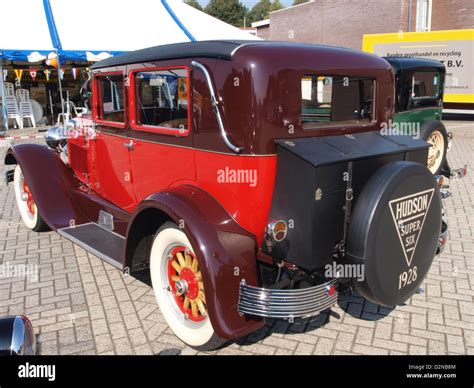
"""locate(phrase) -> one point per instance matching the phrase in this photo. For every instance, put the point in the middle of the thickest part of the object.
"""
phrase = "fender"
(226, 251)
(50, 182)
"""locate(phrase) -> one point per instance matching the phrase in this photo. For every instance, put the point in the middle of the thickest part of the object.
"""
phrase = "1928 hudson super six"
(240, 174)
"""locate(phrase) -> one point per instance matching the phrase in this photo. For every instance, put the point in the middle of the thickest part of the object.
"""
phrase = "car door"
(162, 153)
(110, 148)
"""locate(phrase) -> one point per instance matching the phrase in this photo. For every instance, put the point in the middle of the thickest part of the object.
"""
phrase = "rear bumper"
(286, 304)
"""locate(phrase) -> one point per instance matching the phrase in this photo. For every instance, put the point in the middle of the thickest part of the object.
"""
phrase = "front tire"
(27, 207)
(179, 289)
(434, 132)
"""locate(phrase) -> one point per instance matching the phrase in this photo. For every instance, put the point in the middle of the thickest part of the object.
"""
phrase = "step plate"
(101, 242)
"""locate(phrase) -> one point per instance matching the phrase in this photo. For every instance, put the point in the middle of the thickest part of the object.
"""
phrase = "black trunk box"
(311, 182)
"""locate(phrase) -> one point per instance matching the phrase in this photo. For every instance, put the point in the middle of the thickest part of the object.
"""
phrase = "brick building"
(344, 22)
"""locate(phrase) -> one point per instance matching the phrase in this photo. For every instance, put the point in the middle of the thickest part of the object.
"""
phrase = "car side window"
(161, 100)
(110, 98)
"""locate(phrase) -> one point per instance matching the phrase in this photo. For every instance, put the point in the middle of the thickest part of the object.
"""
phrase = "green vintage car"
(419, 88)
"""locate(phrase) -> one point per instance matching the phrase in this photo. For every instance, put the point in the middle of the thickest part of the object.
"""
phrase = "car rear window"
(336, 99)
(162, 98)
(425, 85)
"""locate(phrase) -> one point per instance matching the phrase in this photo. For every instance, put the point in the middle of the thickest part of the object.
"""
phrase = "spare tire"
(394, 232)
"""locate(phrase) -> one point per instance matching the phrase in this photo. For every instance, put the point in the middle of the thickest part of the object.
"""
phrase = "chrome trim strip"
(242, 45)
(285, 304)
(215, 104)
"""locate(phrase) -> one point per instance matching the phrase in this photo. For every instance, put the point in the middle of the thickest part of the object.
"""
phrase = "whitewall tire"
(26, 205)
(179, 290)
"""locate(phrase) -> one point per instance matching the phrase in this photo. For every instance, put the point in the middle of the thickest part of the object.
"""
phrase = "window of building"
(425, 85)
(423, 15)
(110, 104)
(336, 99)
(161, 100)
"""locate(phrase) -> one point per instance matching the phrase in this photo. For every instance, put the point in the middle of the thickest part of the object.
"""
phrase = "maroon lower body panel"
(226, 251)
(50, 182)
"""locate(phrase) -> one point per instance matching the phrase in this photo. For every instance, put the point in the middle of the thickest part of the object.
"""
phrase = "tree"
(296, 2)
(276, 5)
(193, 3)
(262, 9)
(259, 11)
(229, 11)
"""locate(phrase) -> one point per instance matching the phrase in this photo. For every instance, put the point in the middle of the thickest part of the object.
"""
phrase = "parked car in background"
(419, 90)
(250, 178)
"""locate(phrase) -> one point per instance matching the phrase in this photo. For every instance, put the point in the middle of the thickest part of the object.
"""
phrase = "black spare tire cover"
(394, 231)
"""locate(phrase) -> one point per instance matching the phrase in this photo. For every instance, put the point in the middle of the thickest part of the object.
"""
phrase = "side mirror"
(17, 336)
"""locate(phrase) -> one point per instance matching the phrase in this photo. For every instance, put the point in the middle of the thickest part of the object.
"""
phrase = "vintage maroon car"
(251, 178)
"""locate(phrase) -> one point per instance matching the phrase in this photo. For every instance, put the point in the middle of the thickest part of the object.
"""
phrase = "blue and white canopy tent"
(91, 30)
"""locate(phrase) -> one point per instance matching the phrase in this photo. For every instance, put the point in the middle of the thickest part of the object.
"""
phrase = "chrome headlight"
(17, 336)
(56, 138)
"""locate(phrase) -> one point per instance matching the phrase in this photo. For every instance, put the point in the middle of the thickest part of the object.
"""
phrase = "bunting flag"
(61, 73)
(19, 74)
(33, 74)
(74, 72)
(5, 74)
(47, 73)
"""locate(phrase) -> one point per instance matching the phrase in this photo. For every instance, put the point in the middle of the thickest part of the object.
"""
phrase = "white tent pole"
(2, 91)
(60, 88)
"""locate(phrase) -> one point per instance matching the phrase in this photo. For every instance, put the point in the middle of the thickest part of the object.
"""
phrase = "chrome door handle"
(130, 145)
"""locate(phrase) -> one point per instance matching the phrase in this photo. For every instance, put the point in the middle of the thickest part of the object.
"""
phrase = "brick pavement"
(80, 305)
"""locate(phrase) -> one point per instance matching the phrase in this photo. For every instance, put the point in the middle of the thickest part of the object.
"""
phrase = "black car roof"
(220, 49)
(412, 64)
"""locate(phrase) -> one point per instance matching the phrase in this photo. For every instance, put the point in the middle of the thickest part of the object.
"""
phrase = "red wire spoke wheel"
(186, 284)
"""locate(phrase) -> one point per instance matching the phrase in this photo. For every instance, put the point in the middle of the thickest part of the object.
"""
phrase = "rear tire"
(171, 250)
(27, 207)
(434, 132)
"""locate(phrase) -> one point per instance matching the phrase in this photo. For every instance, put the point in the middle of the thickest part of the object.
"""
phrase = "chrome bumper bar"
(286, 304)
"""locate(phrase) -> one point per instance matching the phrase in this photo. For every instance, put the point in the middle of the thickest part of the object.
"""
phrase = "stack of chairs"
(11, 105)
(24, 105)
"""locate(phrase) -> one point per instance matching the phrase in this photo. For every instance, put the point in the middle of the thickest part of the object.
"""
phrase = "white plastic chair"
(70, 107)
(9, 89)
(11, 105)
(24, 104)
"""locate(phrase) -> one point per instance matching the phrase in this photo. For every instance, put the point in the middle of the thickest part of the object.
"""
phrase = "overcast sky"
(250, 3)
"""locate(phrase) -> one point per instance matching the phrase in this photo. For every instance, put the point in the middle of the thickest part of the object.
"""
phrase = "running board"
(103, 243)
